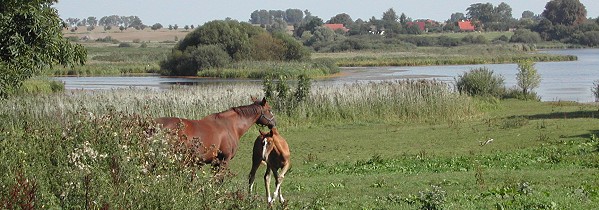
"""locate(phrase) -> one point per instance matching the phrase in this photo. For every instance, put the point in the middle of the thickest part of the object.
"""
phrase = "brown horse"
(218, 134)
(270, 149)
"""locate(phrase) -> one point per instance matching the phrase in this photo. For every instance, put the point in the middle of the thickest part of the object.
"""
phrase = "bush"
(194, 59)
(595, 90)
(125, 44)
(480, 82)
(590, 38)
(525, 36)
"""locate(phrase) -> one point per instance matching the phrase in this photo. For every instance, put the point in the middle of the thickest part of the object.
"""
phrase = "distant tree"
(262, 17)
(91, 28)
(342, 18)
(107, 28)
(528, 14)
(170, 27)
(481, 12)
(278, 25)
(565, 12)
(293, 16)
(230, 41)
(92, 21)
(307, 14)
(176, 27)
(122, 28)
(390, 16)
(156, 26)
(31, 40)
(310, 24)
(192, 27)
(389, 21)
(135, 22)
(403, 19)
(503, 12)
(186, 27)
(455, 17)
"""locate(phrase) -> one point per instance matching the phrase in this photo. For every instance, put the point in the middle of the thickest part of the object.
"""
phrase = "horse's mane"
(245, 111)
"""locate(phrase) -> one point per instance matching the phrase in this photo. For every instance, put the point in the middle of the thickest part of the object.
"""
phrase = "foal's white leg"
(280, 176)
(267, 184)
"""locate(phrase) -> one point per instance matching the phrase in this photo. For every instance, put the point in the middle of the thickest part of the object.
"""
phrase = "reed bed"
(423, 100)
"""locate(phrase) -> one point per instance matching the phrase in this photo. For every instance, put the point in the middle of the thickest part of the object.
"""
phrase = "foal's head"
(267, 142)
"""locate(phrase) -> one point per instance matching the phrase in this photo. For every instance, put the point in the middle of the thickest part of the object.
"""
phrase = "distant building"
(336, 27)
(419, 24)
(465, 25)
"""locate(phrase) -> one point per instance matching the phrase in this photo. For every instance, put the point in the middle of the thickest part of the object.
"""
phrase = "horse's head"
(267, 118)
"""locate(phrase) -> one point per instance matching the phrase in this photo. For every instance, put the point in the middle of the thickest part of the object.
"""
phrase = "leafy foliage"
(30, 41)
(527, 77)
(203, 48)
(565, 12)
(480, 82)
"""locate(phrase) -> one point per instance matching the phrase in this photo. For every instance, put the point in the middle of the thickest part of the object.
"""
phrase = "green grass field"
(360, 146)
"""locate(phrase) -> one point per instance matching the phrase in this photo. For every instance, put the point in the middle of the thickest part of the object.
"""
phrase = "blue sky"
(184, 12)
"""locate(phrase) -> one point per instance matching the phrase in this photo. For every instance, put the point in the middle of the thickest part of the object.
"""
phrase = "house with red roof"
(336, 26)
(420, 24)
(466, 25)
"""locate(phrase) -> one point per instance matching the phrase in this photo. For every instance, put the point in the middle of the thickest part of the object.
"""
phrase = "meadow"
(386, 145)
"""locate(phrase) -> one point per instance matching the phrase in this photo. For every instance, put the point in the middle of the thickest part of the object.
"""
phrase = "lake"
(566, 81)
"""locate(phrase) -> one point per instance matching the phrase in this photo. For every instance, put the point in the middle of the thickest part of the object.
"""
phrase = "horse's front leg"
(252, 175)
(267, 184)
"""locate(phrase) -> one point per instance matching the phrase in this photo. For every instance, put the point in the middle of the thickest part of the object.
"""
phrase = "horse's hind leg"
(280, 176)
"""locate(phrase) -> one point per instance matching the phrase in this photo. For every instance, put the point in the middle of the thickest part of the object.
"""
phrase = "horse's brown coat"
(219, 133)
(271, 149)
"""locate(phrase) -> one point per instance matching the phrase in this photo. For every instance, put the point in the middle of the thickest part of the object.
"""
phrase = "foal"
(270, 149)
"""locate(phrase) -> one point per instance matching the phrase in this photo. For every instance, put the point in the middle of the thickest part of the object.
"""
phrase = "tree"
(156, 26)
(527, 77)
(455, 17)
(92, 21)
(528, 14)
(481, 12)
(389, 21)
(342, 18)
(565, 12)
(30, 41)
(293, 16)
(403, 19)
(229, 41)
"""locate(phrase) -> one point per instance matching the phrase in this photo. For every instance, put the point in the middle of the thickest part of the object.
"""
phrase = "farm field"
(391, 145)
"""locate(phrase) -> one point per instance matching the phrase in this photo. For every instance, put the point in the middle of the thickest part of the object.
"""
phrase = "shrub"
(595, 90)
(125, 44)
(590, 38)
(194, 59)
(527, 76)
(525, 36)
(481, 82)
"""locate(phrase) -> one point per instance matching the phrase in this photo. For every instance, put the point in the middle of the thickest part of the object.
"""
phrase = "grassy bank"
(429, 56)
(393, 145)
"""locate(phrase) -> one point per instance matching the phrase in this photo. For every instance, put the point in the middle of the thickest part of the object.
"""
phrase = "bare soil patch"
(129, 35)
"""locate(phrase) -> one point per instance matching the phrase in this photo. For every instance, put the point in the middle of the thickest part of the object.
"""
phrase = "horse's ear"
(263, 101)
(262, 133)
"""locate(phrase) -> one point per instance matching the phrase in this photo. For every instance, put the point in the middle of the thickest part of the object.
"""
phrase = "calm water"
(570, 81)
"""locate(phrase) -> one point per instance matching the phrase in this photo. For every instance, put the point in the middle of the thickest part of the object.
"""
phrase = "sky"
(197, 12)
